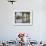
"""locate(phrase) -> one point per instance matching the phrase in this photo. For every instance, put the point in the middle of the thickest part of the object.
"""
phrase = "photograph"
(23, 18)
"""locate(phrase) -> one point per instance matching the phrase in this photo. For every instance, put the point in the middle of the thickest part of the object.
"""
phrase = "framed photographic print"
(23, 18)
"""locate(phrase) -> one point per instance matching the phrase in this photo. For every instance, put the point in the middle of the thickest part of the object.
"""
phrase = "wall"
(9, 31)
